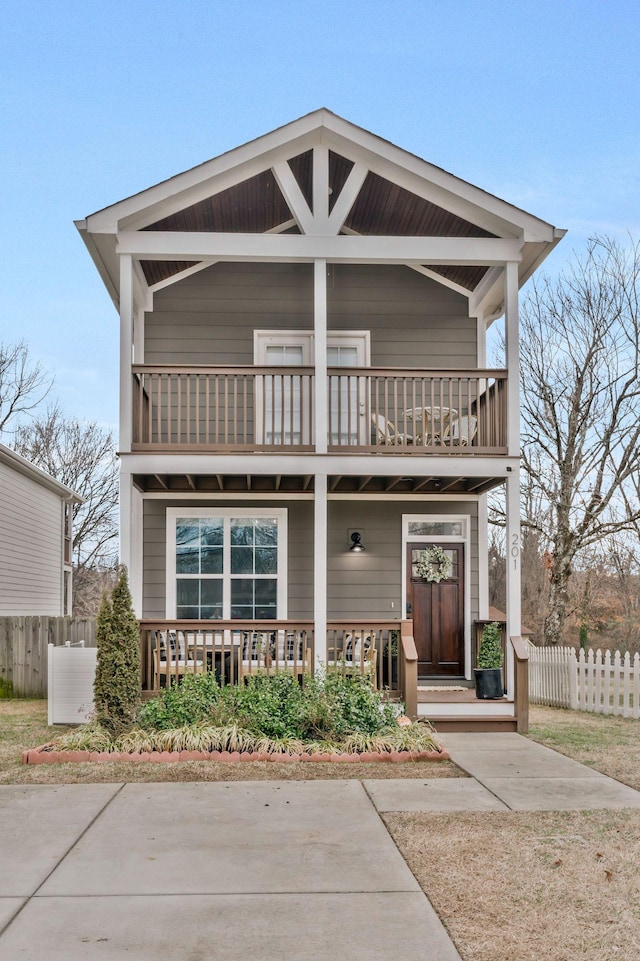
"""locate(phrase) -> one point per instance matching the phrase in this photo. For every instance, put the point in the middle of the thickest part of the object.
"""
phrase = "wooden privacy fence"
(602, 683)
(23, 648)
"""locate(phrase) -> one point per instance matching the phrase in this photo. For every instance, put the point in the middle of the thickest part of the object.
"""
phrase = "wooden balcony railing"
(234, 649)
(370, 410)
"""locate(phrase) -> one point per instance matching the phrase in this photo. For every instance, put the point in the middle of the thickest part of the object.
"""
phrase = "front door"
(437, 610)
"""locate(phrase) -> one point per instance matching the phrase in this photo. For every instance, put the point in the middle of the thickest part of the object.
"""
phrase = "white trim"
(475, 710)
(512, 338)
(23, 466)
(483, 558)
(320, 361)
(126, 351)
(348, 464)
(302, 248)
(320, 539)
(226, 513)
(293, 196)
(465, 539)
(513, 570)
(347, 197)
(299, 496)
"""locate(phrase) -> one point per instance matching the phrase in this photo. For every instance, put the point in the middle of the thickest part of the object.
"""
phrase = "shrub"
(490, 652)
(191, 702)
(116, 687)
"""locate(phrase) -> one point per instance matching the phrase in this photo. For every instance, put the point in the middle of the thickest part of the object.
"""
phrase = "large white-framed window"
(226, 563)
(281, 403)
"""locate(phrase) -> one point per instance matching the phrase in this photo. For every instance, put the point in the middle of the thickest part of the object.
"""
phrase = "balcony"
(371, 410)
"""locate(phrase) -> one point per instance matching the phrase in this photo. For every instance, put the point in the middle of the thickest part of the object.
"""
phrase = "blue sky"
(535, 102)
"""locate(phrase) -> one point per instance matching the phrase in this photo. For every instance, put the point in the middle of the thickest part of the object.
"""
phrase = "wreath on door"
(434, 565)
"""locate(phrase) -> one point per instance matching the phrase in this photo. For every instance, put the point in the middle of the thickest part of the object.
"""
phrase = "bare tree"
(80, 454)
(580, 406)
(23, 383)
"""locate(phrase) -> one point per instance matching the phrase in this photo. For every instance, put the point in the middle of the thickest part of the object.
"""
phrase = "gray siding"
(362, 585)
(209, 318)
(31, 538)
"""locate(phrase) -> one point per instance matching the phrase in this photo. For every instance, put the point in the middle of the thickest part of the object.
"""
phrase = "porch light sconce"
(356, 542)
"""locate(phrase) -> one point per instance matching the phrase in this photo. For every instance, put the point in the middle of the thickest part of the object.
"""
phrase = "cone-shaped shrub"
(116, 687)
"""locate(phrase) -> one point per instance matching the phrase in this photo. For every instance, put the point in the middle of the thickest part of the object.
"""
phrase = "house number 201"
(515, 549)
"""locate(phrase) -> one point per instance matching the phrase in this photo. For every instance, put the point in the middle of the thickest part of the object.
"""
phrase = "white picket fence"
(595, 682)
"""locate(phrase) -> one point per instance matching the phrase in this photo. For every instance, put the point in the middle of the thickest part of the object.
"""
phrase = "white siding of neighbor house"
(31, 546)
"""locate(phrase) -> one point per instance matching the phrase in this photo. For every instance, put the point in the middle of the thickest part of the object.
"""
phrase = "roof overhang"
(25, 467)
(371, 157)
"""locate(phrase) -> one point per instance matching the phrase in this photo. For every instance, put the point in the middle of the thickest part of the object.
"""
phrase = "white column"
(483, 558)
(512, 337)
(321, 189)
(138, 336)
(513, 546)
(131, 511)
(320, 331)
(320, 568)
(126, 346)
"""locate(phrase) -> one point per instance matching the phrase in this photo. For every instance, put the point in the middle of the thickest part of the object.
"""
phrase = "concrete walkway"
(266, 870)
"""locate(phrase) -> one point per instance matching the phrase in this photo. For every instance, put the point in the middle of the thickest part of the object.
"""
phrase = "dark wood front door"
(437, 611)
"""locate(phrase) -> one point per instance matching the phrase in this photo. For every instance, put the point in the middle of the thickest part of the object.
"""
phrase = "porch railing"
(370, 410)
(234, 649)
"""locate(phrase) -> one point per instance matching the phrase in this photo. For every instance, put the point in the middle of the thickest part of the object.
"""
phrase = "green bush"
(490, 652)
(276, 706)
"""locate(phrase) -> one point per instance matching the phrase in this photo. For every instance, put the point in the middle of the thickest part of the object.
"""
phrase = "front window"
(226, 564)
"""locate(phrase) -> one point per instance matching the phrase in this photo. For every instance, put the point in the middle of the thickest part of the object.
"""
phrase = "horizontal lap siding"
(209, 318)
(362, 585)
(31, 552)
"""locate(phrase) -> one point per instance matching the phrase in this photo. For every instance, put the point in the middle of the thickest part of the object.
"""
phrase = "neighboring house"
(35, 533)
(303, 358)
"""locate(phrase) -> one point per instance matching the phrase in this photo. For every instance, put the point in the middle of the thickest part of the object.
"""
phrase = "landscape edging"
(44, 755)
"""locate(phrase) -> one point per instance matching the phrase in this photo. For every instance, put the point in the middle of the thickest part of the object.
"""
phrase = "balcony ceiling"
(303, 484)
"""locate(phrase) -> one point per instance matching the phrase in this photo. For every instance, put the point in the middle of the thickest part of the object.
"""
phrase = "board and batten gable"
(32, 551)
(210, 316)
(367, 585)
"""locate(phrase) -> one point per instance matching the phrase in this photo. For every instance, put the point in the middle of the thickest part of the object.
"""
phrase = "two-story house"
(308, 428)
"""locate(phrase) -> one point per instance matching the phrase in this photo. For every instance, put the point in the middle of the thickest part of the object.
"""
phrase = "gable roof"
(249, 190)
(25, 467)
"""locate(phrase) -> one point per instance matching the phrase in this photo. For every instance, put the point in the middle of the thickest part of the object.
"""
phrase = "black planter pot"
(394, 672)
(488, 682)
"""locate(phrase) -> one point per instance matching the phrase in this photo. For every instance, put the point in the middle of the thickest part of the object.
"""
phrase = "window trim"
(280, 514)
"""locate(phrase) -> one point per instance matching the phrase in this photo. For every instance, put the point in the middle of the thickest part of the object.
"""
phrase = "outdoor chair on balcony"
(173, 657)
(358, 655)
(461, 431)
(268, 652)
(387, 433)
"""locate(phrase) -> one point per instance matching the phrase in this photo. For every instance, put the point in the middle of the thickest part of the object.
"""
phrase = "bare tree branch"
(23, 383)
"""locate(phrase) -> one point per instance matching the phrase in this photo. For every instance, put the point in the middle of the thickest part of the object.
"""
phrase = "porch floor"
(467, 696)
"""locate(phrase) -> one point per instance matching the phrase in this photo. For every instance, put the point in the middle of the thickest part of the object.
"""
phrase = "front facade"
(303, 372)
(35, 531)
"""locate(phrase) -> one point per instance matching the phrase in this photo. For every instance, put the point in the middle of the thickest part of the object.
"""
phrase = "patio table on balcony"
(429, 422)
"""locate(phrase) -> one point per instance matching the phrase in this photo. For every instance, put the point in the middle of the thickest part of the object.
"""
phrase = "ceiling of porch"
(303, 484)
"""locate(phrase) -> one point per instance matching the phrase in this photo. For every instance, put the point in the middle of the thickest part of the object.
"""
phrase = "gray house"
(308, 428)
(35, 531)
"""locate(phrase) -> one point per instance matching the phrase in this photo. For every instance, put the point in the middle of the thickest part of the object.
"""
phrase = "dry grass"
(611, 745)
(526, 887)
(23, 724)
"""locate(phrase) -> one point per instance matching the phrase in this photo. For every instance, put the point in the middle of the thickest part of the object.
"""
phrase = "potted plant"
(390, 654)
(488, 673)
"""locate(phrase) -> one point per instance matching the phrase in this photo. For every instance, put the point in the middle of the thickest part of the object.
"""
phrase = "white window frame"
(361, 339)
(464, 538)
(279, 514)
